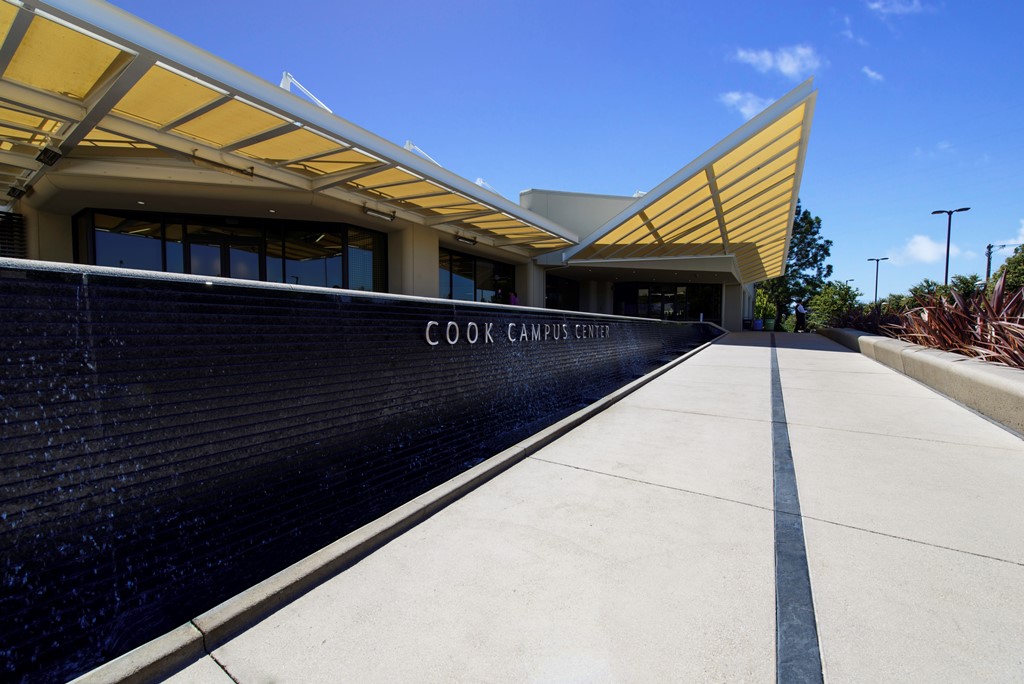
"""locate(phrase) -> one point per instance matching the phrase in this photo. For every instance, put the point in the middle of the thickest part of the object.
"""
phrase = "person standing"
(801, 316)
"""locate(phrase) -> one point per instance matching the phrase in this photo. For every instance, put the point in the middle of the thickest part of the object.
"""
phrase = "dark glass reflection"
(562, 293)
(474, 279)
(306, 252)
(672, 302)
(315, 258)
(128, 243)
(361, 264)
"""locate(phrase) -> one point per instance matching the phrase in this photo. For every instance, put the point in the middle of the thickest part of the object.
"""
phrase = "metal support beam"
(717, 201)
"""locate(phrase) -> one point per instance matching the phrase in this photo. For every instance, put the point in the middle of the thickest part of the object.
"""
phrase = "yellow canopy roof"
(79, 76)
(738, 199)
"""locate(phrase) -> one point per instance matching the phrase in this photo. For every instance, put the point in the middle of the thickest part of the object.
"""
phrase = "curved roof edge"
(729, 200)
(136, 34)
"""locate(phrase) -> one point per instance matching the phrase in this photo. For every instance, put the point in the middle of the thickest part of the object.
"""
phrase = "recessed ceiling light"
(140, 202)
(273, 211)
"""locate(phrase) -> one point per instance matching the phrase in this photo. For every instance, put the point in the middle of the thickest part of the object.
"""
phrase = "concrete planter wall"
(991, 389)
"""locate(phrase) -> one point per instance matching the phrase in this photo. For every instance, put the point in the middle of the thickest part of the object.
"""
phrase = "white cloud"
(889, 7)
(762, 60)
(794, 62)
(872, 74)
(943, 147)
(747, 104)
(1017, 239)
(922, 249)
(848, 33)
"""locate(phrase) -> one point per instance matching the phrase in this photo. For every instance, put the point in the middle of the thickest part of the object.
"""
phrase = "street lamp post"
(988, 257)
(877, 261)
(949, 230)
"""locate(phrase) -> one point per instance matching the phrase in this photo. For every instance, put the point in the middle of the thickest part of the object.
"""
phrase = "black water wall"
(168, 443)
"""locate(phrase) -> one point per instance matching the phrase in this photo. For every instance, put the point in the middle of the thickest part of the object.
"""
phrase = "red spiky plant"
(991, 328)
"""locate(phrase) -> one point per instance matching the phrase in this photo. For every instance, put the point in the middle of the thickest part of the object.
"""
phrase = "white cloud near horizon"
(747, 104)
(872, 74)
(1016, 239)
(895, 7)
(922, 249)
(795, 62)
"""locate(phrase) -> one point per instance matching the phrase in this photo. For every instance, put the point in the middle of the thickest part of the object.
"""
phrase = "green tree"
(966, 285)
(763, 307)
(1014, 269)
(833, 305)
(896, 303)
(924, 288)
(806, 267)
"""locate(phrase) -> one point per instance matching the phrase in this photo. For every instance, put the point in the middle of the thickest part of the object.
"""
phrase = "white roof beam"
(716, 200)
(334, 179)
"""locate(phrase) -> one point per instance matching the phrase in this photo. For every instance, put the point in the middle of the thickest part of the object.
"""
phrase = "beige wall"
(412, 261)
(532, 284)
(732, 307)
(49, 235)
(579, 212)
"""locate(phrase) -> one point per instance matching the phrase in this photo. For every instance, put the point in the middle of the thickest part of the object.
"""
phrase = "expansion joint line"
(209, 652)
(798, 657)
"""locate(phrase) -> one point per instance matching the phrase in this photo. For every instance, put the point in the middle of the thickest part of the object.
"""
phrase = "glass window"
(669, 302)
(205, 259)
(364, 267)
(562, 293)
(463, 277)
(275, 254)
(704, 301)
(128, 243)
(243, 261)
(174, 248)
(469, 278)
(314, 257)
(444, 275)
(504, 282)
(486, 289)
(306, 252)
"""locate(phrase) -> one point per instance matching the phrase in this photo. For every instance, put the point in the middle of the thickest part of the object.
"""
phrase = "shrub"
(832, 306)
(974, 324)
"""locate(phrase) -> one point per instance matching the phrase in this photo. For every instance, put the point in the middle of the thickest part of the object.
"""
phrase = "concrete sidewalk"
(640, 547)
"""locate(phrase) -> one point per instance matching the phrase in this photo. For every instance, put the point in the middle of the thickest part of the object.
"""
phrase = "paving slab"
(203, 671)
(716, 456)
(808, 352)
(931, 419)
(930, 491)
(859, 382)
(750, 400)
(723, 457)
(892, 610)
(548, 573)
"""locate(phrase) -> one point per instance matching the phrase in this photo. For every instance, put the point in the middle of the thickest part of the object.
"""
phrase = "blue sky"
(919, 103)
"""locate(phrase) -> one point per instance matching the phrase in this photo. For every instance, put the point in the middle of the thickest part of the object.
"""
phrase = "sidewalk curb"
(991, 389)
(176, 650)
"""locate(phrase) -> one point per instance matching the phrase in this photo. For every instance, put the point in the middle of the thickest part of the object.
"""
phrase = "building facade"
(126, 147)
